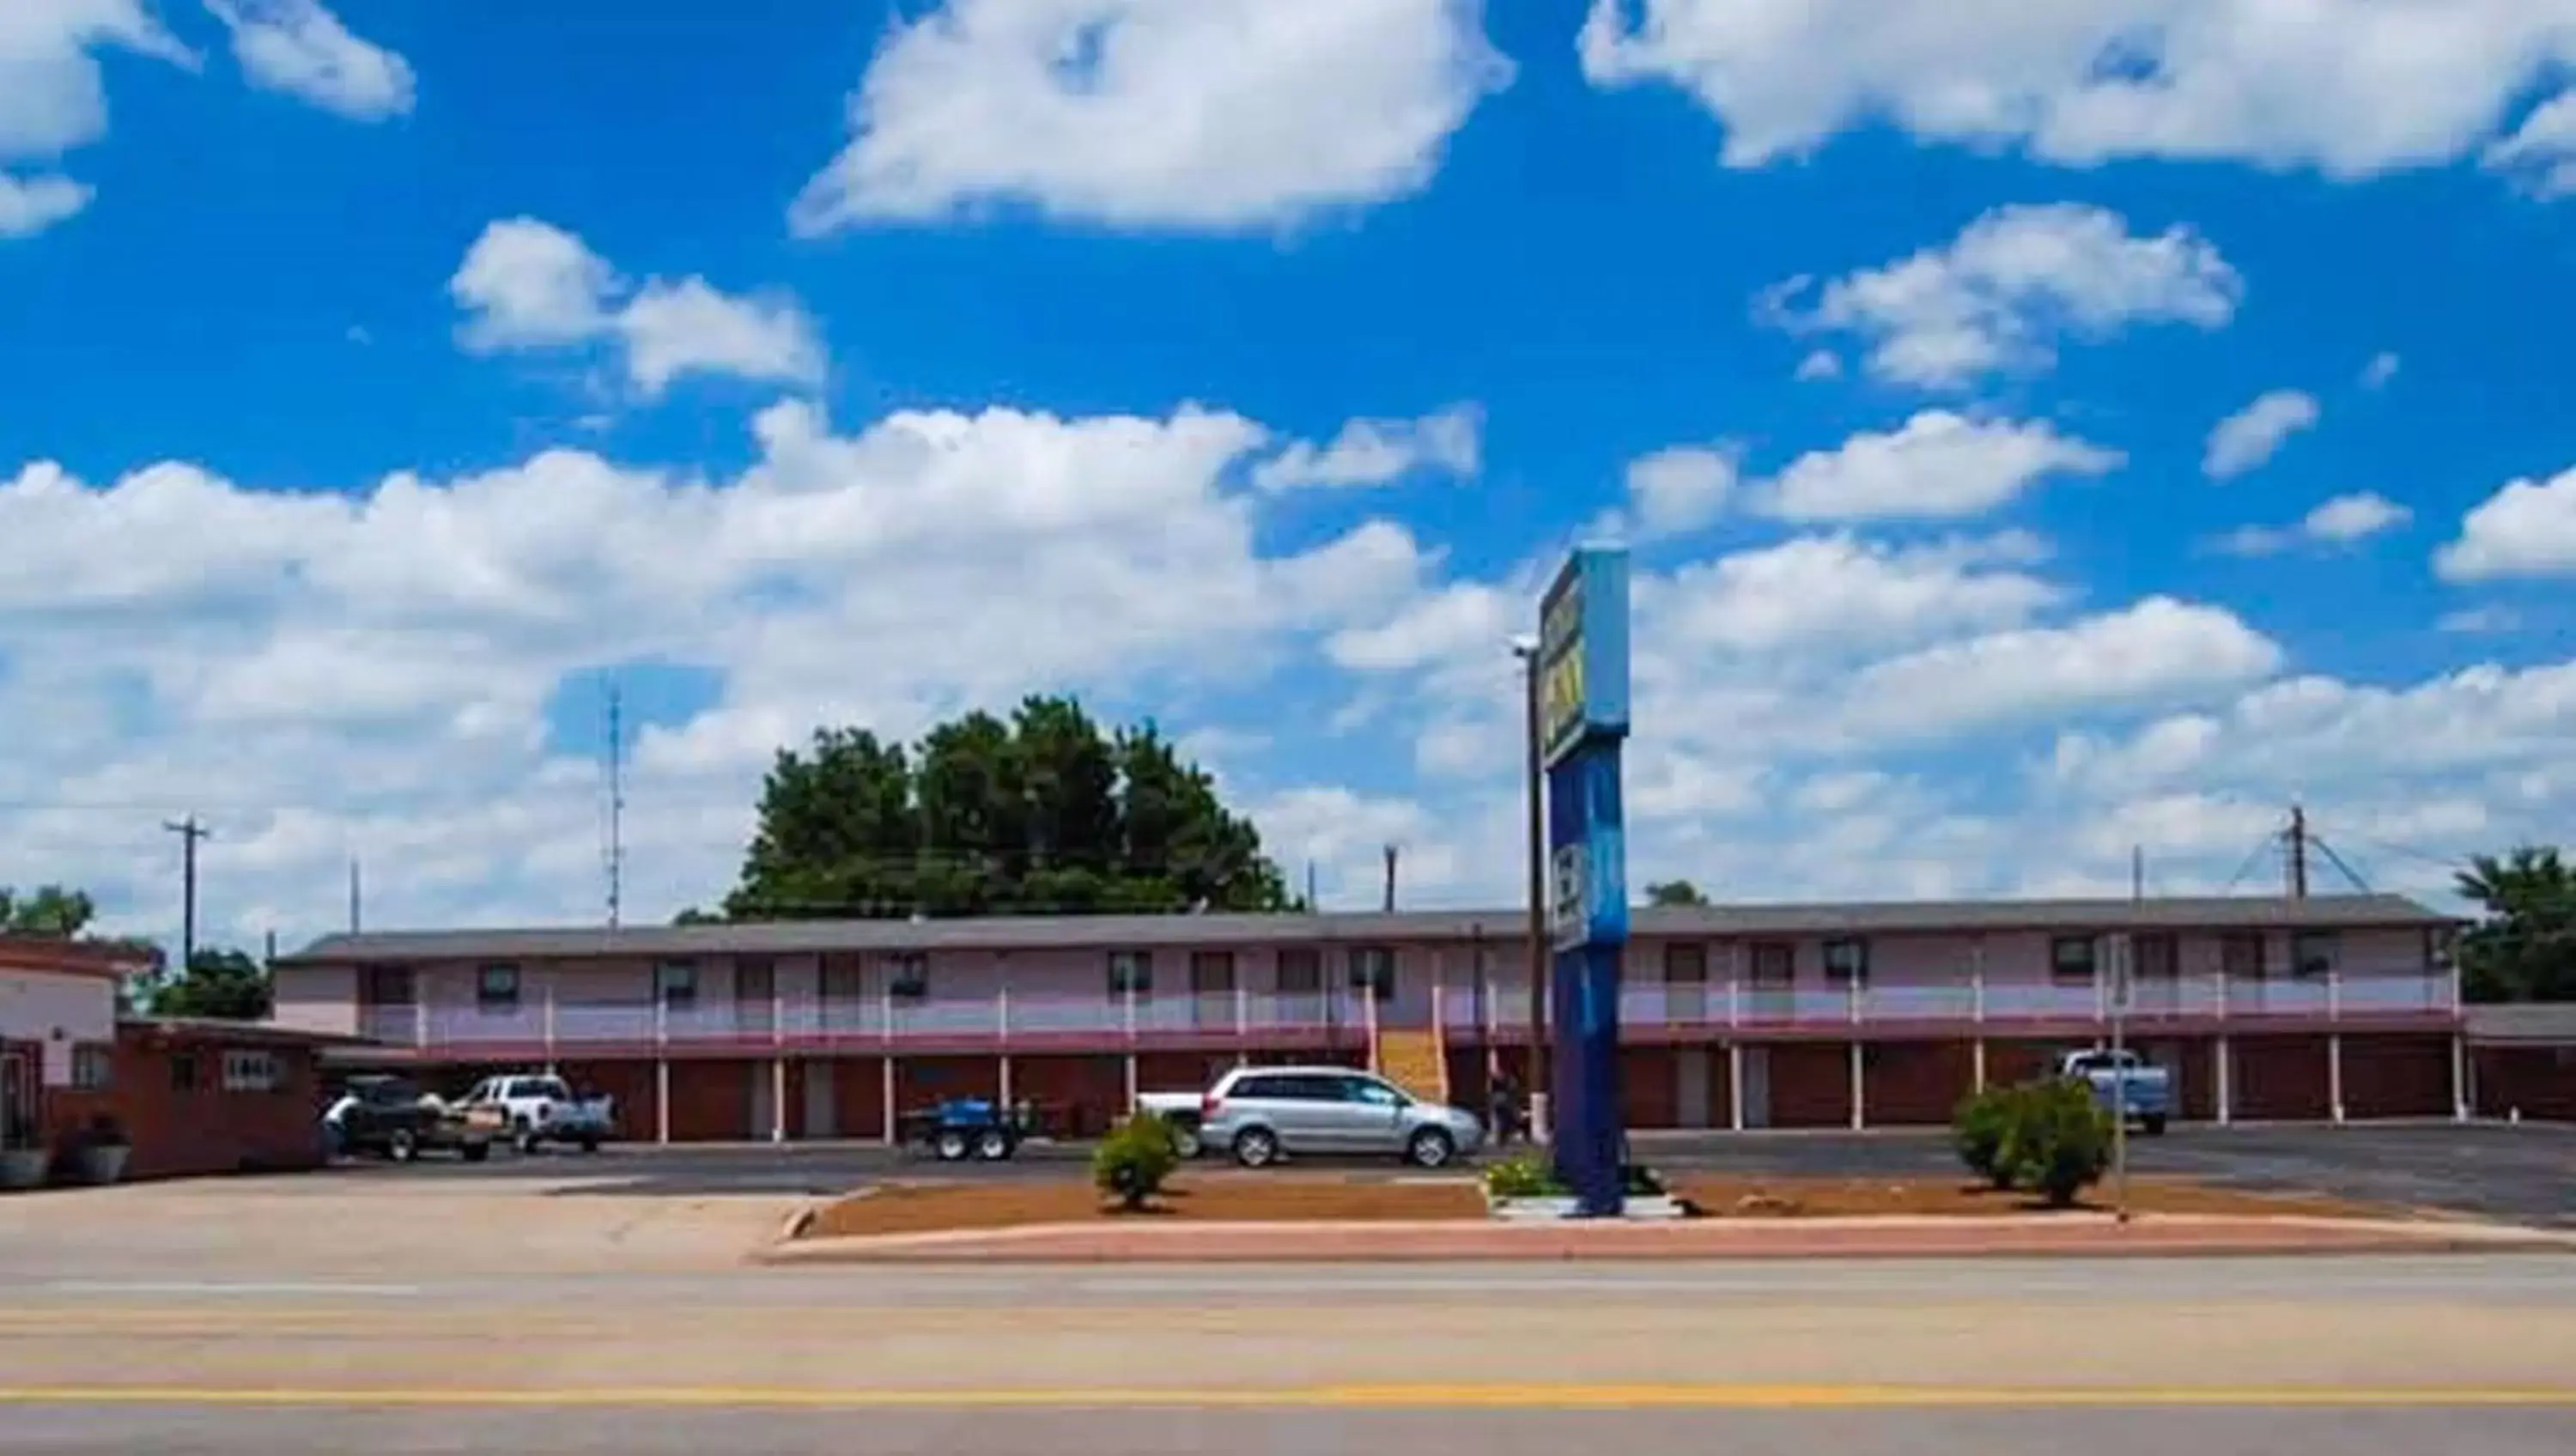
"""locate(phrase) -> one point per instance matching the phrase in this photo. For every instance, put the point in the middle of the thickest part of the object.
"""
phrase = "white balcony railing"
(1316, 1017)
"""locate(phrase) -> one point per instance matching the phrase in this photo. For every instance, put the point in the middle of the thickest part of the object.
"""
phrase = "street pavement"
(2522, 1174)
(603, 1305)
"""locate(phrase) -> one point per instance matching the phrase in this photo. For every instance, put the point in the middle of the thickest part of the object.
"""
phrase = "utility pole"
(1536, 788)
(357, 898)
(190, 831)
(616, 852)
(1313, 906)
(1390, 879)
(2298, 852)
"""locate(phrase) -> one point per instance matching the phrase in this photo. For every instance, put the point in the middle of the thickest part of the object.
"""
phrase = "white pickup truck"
(1180, 1111)
(533, 1109)
(2125, 1083)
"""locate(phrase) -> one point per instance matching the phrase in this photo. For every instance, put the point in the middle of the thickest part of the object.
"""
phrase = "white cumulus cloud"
(2342, 521)
(2526, 529)
(299, 47)
(2250, 437)
(1377, 452)
(2350, 88)
(526, 284)
(1204, 115)
(2009, 290)
(1938, 465)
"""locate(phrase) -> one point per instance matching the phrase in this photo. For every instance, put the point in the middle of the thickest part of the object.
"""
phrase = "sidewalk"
(1145, 1241)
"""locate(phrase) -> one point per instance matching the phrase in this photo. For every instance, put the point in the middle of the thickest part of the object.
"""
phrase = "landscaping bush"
(2059, 1140)
(1135, 1160)
(1526, 1176)
(1979, 1129)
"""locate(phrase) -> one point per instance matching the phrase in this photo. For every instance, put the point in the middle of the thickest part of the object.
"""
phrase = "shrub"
(1133, 1162)
(1979, 1129)
(1526, 1176)
(2059, 1141)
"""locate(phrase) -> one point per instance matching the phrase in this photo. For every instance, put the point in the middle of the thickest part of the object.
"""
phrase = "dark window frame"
(2314, 954)
(1685, 955)
(93, 1066)
(488, 994)
(675, 985)
(1846, 975)
(2061, 973)
(183, 1073)
(1373, 971)
(908, 976)
(1131, 973)
(1212, 973)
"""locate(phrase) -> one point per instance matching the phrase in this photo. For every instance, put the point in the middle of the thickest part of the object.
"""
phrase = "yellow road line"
(1342, 1397)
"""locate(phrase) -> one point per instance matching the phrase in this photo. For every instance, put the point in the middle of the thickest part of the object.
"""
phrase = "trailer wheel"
(992, 1145)
(950, 1145)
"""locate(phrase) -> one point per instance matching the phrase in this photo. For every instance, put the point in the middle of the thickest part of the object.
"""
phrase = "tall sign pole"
(1583, 689)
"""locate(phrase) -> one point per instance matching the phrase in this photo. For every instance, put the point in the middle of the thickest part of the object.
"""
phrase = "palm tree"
(2525, 947)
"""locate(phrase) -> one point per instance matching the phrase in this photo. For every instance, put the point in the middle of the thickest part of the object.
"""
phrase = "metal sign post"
(2120, 983)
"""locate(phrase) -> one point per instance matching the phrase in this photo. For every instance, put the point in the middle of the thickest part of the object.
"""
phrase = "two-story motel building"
(1747, 1016)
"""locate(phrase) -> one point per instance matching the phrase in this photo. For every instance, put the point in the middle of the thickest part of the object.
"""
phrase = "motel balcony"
(2361, 996)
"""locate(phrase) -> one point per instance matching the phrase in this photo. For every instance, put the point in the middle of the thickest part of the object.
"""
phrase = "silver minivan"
(1262, 1113)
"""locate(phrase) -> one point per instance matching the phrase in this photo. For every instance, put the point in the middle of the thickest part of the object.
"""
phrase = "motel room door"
(1757, 1086)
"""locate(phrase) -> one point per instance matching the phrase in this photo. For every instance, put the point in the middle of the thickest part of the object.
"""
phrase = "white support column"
(661, 1066)
(1977, 1064)
(2460, 1098)
(2334, 1074)
(778, 1099)
(1735, 990)
(1977, 999)
(550, 1021)
(2225, 1057)
(1007, 1099)
(1131, 1079)
(1859, 1090)
(885, 1109)
(1735, 1085)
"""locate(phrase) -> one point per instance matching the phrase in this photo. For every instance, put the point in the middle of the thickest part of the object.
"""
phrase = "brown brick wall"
(1649, 1087)
(1077, 1096)
(2539, 1081)
(1810, 1084)
(711, 1101)
(1915, 1083)
(2280, 1078)
(2397, 1076)
(208, 1130)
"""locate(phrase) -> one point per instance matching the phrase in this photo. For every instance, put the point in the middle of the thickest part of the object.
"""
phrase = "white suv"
(1262, 1113)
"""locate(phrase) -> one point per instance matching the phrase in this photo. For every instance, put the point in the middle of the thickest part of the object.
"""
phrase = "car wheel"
(993, 1145)
(950, 1145)
(1430, 1148)
(475, 1152)
(1185, 1141)
(401, 1146)
(1256, 1147)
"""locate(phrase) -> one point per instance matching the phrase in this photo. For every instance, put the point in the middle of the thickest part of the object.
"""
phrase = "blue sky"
(383, 379)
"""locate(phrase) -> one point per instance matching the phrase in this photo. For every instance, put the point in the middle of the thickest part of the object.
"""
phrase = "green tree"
(2524, 949)
(1043, 814)
(49, 911)
(1674, 892)
(226, 985)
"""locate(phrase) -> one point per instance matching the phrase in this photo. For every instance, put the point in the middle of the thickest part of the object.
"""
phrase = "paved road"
(2521, 1174)
(2384, 1357)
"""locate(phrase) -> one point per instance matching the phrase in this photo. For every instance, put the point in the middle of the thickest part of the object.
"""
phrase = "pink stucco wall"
(57, 1012)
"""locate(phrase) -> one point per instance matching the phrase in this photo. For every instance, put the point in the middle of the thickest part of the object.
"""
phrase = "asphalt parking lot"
(2521, 1174)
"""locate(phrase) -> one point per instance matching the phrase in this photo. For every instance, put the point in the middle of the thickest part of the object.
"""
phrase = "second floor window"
(1373, 971)
(496, 988)
(1301, 973)
(1212, 972)
(908, 976)
(2312, 953)
(2071, 958)
(1131, 973)
(2154, 958)
(1775, 964)
(1686, 963)
(1847, 961)
(675, 984)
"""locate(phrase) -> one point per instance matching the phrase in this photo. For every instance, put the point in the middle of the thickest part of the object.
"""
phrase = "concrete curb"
(1479, 1241)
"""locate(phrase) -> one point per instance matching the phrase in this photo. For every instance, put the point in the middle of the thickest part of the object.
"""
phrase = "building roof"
(109, 958)
(1147, 932)
(239, 1033)
(2534, 1023)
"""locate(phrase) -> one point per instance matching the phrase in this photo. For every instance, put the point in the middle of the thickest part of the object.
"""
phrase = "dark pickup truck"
(390, 1117)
